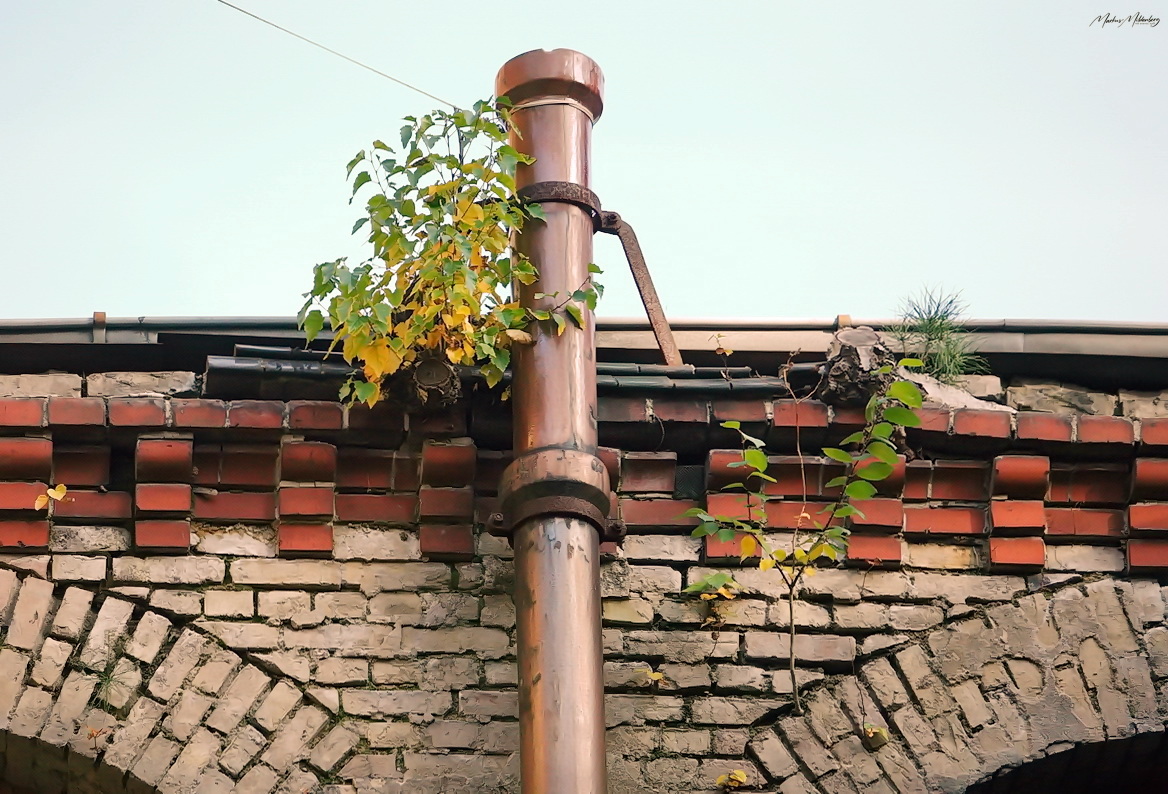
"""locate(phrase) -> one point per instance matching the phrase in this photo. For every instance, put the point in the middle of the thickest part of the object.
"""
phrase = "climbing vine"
(441, 211)
(868, 456)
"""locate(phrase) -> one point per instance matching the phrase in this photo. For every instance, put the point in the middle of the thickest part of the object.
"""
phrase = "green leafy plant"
(930, 329)
(821, 538)
(440, 213)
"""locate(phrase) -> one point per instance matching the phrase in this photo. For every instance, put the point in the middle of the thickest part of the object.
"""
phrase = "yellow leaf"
(749, 545)
(454, 354)
(738, 775)
(42, 502)
(56, 494)
(766, 563)
(725, 593)
(708, 596)
(653, 675)
(516, 335)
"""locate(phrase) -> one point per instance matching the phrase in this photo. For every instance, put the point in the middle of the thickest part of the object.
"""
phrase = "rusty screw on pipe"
(557, 96)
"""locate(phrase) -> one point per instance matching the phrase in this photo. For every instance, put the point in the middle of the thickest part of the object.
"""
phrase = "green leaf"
(860, 489)
(882, 451)
(364, 391)
(353, 163)
(906, 392)
(732, 424)
(870, 408)
(835, 482)
(875, 471)
(574, 312)
(313, 323)
(362, 179)
(854, 438)
(756, 459)
(592, 268)
(726, 535)
(882, 430)
(705, 528)
(360, 222)
(561, 324)
(901, 416)
(910, 362)
(837, 454)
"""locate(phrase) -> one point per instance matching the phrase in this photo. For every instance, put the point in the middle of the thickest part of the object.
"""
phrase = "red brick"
(986, 424)
(648, 472)
(205, 465)
(793, 475)
(880, 515)
(163, 497)
(1147, 555)
(880, 551)
(24, 535)
(365, 468)
(308, 461)
(944, 520)
(1016, 517)
(487, 506)
(1150, 478)
(1021, 476)
(387, 417)
(406, 472)
(916, 480)
(792, 514)
(76, 411)
(305, 540)
(719, 472)
(164, 460)
(137, 412)
(1016, 554)
(1086, 523)
(1085, 485)
(249, 466)
(799, 413)
(609, 550)
(726, 550)
(22, 412)
(1148, 517)
(448, 504)
(736, 506)
(107, 505)
(312, 415)
(933, 420)
(447, 541)
(960, 481)
(1154, 432)
(157, 536)
(657, 513)
(26, 458)
(20, 495)
(448, 465)
(677, 410)
(376, 508)
(1044, 427)
(81, 466)
(743, 410)
(256, 414)
(1106, 430)
(199, 413)
(224, 506)
(623, 409)
(306, 501)
(849, 416)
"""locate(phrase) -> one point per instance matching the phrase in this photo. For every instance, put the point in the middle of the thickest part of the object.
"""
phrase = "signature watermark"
(1132, 20)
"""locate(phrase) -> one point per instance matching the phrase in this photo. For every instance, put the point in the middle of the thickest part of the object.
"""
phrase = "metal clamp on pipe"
(555, 482)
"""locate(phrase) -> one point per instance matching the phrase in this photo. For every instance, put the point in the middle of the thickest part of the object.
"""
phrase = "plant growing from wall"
(440, 213)
(821, 538)
(930, 329)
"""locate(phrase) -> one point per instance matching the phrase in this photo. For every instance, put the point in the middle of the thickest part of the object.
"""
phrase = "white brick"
(179, 662)
(101, 646)
(169, 570)
(31, 613)
(48, 668)
(229, 603)
(148, 637)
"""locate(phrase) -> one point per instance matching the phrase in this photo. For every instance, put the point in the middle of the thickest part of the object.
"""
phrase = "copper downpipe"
(557, 96)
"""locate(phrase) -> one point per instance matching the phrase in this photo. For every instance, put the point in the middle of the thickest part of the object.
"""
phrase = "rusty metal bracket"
(612, 223)
(555, 482)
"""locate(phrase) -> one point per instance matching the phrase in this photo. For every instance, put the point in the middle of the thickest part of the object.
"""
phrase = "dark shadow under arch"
(1138, 765)
(31, 766)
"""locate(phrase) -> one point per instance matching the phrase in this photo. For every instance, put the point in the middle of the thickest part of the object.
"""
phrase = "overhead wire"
(338, 54)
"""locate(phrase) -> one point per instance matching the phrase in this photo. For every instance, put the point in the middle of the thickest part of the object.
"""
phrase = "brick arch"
(149, 701)
(986, 692)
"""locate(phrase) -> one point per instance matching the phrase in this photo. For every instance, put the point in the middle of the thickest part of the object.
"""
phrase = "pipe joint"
(555, 482)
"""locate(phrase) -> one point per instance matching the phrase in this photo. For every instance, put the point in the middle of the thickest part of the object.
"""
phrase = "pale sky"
(778, 160)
